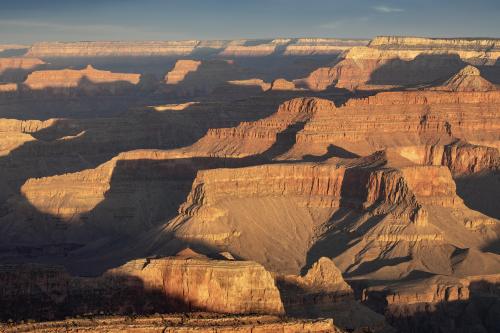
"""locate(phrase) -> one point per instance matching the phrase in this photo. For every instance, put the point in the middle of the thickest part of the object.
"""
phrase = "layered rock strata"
(69, 78)
(400, 61)
(168, 284)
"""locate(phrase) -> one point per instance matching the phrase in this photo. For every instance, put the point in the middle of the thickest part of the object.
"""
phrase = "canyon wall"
(164, 285)
(401, 61)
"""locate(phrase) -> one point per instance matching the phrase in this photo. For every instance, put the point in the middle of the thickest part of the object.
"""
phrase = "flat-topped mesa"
(110, 49)
(208, 285)
(322, 46)
(88, 79)
(193, 78)
(468, 79)
(19, 64)
(314, 185)
(396, 42)
(253, 48)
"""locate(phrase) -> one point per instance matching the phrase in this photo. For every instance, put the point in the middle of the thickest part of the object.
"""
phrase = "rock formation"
(19, 63)
(193, 78)
(178, 284)
(240, 48)
(282, 84)
(69, 78)
(468, 79)
(213, 286)
(401, 61)
(250, 190)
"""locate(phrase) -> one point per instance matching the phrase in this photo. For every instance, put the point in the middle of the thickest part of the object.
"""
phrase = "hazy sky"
(27, 21)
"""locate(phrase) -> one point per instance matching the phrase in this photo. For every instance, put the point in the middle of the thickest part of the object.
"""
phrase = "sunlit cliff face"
(250, 180)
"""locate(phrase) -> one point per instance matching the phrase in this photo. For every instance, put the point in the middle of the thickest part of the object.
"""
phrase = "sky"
(28, 21)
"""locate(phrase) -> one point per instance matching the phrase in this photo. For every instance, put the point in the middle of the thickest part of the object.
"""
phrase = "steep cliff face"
(224, 210)
(15, 69)
(209, 285)
(271, 135)
(194, 78)
(180, 70)
(403, 61)
(396, 42)
(168, 284)
(107, 49)
(399, 119)
(438, 303)
(321, 46)
(225, 48)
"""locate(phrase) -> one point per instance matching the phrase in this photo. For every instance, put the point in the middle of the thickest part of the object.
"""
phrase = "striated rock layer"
(402, 61)
(68, 78)
(168, 284)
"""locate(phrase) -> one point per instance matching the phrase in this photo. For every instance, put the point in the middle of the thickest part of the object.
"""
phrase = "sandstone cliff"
(19, 63)
(69, 78)
(214, 286)
(225, 48)
(400, 61)
(168, 284)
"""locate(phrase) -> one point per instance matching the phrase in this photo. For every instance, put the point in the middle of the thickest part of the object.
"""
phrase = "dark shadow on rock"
(332, 151)
(49, 293)
(478, 313)
(9, 53)
(421, 70)
(481, 192)
(285, 140)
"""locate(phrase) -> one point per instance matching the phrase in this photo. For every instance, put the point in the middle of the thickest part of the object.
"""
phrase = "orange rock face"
(19, 63)
(74, 78)
(250, 186)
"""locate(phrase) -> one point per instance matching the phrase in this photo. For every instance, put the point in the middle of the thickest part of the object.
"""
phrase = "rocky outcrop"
(194, 78)
(165, 285)
(398, 119)
(83, 79)
(468, 79)
(282, 84)
(251, 138)
(19, 63)
(208, 285)
(403, 61)
(180, 70)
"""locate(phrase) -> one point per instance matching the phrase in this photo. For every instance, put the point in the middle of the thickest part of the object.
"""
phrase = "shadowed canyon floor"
(351, 185)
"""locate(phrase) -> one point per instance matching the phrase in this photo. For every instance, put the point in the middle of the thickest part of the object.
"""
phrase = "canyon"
(281, 185)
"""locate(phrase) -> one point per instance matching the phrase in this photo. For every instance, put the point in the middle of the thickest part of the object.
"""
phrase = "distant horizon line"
(244, 39)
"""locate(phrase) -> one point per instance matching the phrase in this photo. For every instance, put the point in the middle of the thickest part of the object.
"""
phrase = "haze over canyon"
(251, 185)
